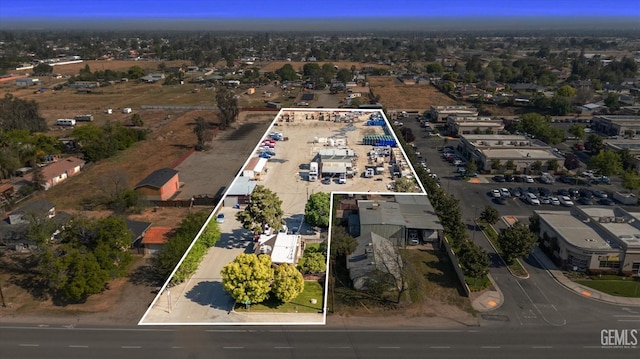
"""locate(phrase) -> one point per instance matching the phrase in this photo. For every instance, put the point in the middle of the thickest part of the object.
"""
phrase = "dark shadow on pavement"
(239, 238)
(209, 293)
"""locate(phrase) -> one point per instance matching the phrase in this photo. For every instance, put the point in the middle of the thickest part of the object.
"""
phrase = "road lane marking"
(490, 347)
(176, 347)
(629, 320)
(232, 347)
(130, 347)
(282, 347)
(388, 347)
(440, 347)
(541, 347)
(78, 346)
(29, 345)
(339, 347)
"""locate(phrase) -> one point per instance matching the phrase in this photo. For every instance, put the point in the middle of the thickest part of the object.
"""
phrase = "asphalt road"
(303, 342)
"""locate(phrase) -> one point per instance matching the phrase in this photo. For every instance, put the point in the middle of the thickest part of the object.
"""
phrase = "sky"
(51, 11)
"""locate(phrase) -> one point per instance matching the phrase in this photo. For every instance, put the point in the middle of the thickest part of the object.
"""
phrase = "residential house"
(15, 228)
(160, 185)
(154, 239)
(374, 255)
(151, 78)
(137, 230)
(58, 171)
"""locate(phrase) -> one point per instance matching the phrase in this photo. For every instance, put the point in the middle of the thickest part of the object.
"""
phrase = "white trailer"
(313, 171)
(65, 122)
(126, 110)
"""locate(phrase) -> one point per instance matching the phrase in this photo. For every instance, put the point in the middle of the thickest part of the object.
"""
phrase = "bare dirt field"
(396, 95)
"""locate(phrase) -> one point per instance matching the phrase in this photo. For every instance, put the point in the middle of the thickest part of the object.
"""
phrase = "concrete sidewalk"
(587, 292)
(489, 300)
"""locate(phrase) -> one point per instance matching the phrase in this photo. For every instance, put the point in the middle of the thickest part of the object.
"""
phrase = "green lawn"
(302, 304)
(629, 287)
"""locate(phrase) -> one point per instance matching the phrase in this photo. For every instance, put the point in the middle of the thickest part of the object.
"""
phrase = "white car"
(504, 192)
(555, 201)
(565, 201)
(532, 199)
(528, 179)
(496, 193)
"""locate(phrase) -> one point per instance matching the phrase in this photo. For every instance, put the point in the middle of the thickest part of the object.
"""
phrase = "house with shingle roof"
(160, 185)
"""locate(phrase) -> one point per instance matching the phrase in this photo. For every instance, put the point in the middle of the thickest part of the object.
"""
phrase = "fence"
(456, 265)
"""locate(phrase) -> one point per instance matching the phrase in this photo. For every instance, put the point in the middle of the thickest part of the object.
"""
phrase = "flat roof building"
(523, 152)
(593, 238)
(440, 113)
(616, 125)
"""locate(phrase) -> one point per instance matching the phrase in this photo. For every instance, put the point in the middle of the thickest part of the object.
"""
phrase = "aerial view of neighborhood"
(325, 192)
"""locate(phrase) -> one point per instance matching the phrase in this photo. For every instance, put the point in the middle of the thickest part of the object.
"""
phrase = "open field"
(396, 95)
(115, 65)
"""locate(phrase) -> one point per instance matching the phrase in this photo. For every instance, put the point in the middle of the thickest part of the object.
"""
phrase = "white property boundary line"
(215, 210)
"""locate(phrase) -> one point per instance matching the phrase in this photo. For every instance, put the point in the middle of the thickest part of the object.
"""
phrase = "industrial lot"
(302, 152)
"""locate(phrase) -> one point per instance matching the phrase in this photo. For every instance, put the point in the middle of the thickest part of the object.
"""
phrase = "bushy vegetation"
(20, 148)
(91, 252)
(18, 114)
(176, 246)
(103, 142)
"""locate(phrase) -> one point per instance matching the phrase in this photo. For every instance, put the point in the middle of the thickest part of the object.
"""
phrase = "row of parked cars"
(567, 197)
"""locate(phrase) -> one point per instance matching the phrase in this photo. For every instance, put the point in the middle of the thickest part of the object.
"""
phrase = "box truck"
(313, 171)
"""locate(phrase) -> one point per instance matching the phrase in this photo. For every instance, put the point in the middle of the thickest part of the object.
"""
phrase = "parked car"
(518, 179)
(496, 193)
(326, 180)
(545, 191)
(563, 192)
(583, 192)
(498, 178)
(528, 179)
(600, 194)
(504, 192)
(508, 178)
(555, 201)
(516, 192)
(533, 190)
(532, 199)
(565, 201)
(606, 202)
(574, 193)
(544, 200)
(220, 218)
(585, 201)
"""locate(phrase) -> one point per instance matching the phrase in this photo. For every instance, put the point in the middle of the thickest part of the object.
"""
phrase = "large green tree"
(342, 244)
(202, 132)
(490, 215)
(577, 131)
(317, 209)
(516, 241)
(594, 143)
(227, 105)
(248, 278)
(288, 283)
(473, 259)
(264, 208)
(312, 263)
(16, 113)
(287, 73)
(607, 162)
(631, 180)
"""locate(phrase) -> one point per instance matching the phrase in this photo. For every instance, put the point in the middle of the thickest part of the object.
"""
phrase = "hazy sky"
(41, 11)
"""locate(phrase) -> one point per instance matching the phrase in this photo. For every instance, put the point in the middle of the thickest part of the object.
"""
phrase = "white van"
(126, 110)
(65, 122)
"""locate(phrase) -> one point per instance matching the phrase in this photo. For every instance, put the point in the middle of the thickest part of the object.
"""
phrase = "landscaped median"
(611, 284)
(515, 267)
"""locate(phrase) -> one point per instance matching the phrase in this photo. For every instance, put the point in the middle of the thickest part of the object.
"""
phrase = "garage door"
(230, 201)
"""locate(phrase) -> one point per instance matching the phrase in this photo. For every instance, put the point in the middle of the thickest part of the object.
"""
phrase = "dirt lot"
(396, 95)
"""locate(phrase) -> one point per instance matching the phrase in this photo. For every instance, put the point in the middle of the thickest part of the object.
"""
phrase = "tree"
(344, 75)
(490, 215)
(136, 120)
(571, 161)
(631, 180)
(263, 211)
(612, 101)
(496, 164)
(248, 278)
(516, 241)
(552, 165)
(342, 244)
(407, 134)
(560, 105)
(38, 179)
(16, 113)
(316, 210)
(227, 105)
(594, 143)
(566, 91)
(288, 283)
(404, 184)
(534, 223)
(536, 166)
(473, 260)
(136, 72)
(577, 131)
(287, 73)
(606, 162)
(42, 69)
(628, 160)
(510, 165)
(312, 263)
(202, 132)
(471, 167)
(435, 68)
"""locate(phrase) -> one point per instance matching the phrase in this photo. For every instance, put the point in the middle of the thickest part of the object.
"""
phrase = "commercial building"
(440, 113)
(612, 125)
(597, 239)
(497, 152)
(465, 125)
(27, 82)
